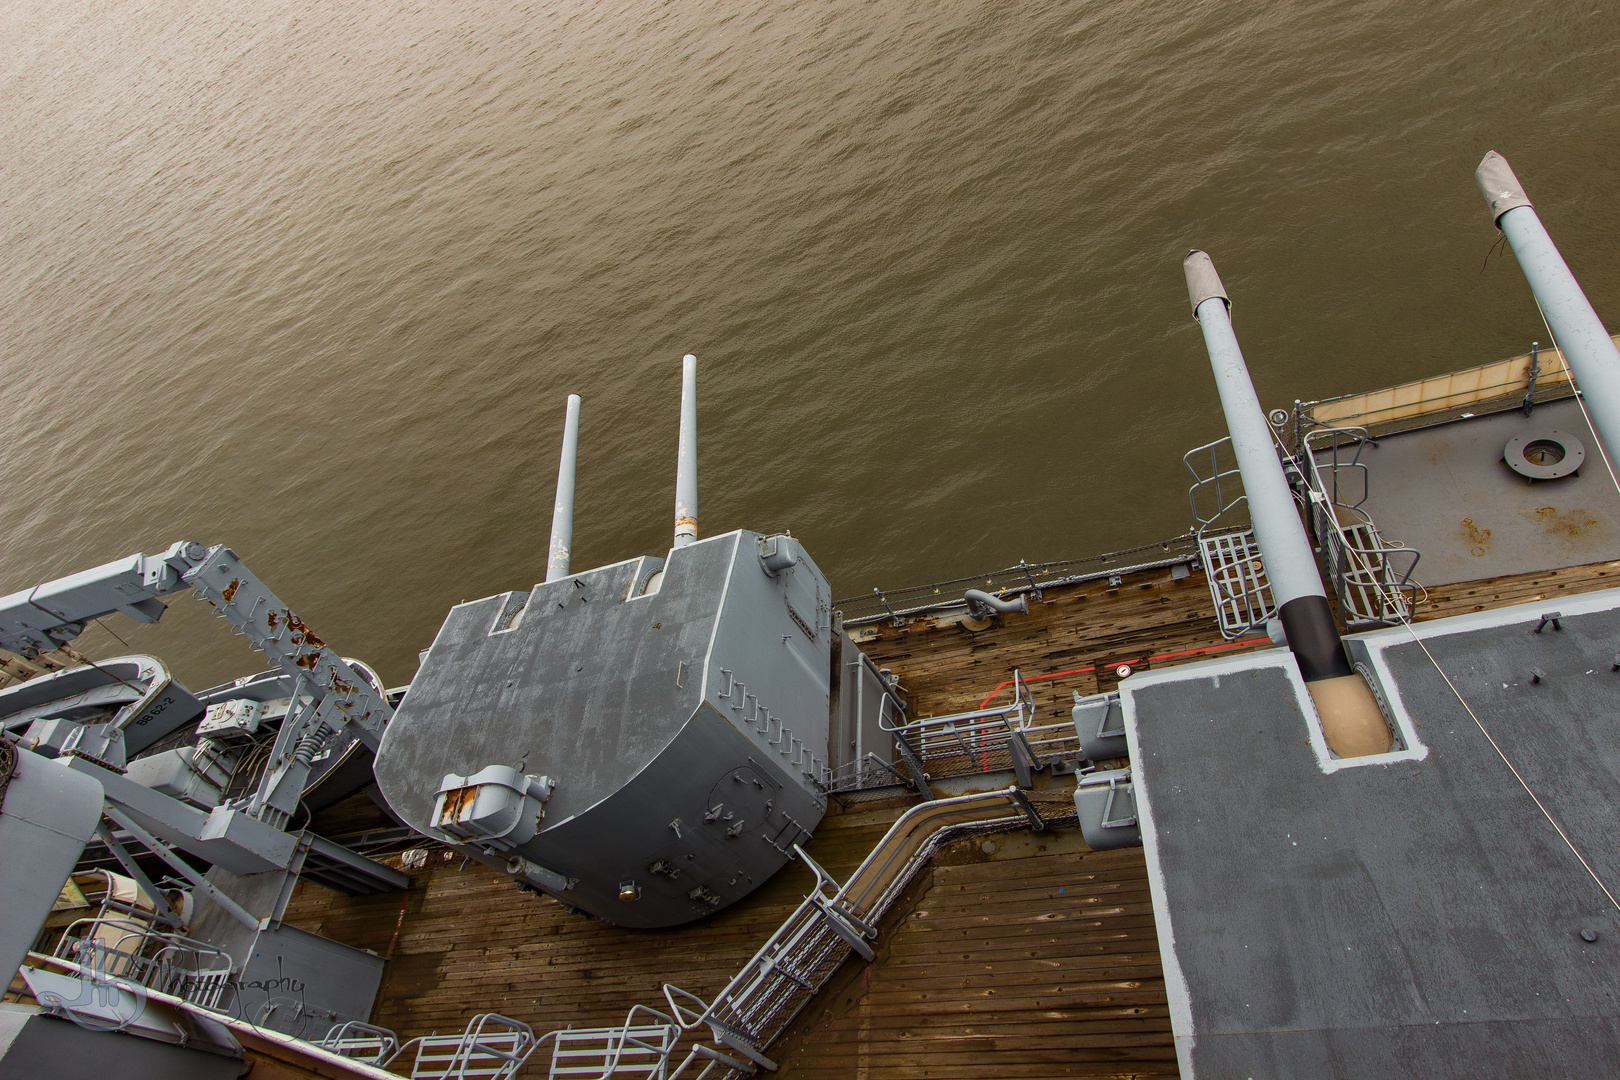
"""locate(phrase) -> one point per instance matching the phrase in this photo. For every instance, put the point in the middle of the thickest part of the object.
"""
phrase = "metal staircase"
(1232, 565)
(793, 964)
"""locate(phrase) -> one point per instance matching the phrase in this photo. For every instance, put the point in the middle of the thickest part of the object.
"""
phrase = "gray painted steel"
(859, 735)
(301, 984)
(1590, 352)
(562, 513)
(660, 717)
(88, 694)
(1099, 724)
(1290, 566)
(1398, 918)
(686, 465)
(1571, 451)
(1105, 803)
(1444, 491)
(48, 615)
(47, 814)
(288, 979)
(34, 1046)
(225, 837)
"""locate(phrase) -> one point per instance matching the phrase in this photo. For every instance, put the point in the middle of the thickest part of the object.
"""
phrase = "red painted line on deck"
(1161, 656)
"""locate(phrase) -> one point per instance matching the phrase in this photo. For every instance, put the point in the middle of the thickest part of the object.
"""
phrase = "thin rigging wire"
(1511, 768)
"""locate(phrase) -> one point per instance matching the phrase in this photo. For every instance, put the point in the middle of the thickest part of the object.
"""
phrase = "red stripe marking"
(1161, 656)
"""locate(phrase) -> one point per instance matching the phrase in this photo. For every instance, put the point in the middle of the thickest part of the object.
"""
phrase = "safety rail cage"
(1238, 585)
(1057, 741)
(985, 740)
(981, 740)
(129, 948)
(1025, 578)
(361, 1041)
(867, 774)
(1371, 577)
(641, 1046)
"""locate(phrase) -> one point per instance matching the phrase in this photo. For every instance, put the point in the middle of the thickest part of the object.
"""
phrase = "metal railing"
(1371, 577)
(1238, 585)
(493, 1047)
(1521, 382)
(129, 948)
(794, 963)
(360, 1041)
(782, 977)
(1056, 741)
(1025, 578)
(970, 734)
(992, 739)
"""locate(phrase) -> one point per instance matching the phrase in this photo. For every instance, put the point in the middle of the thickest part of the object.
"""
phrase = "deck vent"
(1544, 454)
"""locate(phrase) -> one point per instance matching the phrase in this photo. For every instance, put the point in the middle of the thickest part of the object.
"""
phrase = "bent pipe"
(981, 605)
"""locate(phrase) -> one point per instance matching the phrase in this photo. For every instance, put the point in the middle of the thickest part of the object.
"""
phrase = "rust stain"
(457, 804)
(341, 685)
(1477, 539)
(230, 590)
(1567, 524)
(301, 634)
(1439, 450)
(271, 619)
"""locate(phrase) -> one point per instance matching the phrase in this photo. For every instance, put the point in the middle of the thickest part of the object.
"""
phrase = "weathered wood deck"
(1036, 960)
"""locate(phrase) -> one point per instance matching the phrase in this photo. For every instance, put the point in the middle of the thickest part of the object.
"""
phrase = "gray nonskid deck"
(1445, 492)
(1416, 917)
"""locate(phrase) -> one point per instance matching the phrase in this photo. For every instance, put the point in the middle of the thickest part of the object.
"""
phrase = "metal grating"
(1367, 589)
(1237, 581)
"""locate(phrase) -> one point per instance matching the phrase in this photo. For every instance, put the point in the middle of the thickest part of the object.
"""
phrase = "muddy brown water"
(313, 280)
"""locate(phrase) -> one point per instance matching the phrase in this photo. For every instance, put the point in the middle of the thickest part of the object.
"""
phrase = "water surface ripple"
(313, 280)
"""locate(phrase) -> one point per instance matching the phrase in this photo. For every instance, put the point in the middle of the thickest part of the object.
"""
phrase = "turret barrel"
(1594, 362)
(562, 514)
(1351, 728)
(686, 467)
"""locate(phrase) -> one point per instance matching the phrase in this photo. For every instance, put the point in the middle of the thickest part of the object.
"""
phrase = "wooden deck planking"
(988, 974)
(470, 941)
(1149, 620)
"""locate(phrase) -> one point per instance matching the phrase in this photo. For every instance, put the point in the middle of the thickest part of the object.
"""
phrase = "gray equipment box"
(1099, 721)
(1106, 804)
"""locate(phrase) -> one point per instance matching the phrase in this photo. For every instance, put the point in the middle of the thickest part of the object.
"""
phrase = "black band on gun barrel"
(1314, 638)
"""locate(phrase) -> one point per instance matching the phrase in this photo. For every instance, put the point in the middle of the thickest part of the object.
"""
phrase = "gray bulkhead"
(658, 716)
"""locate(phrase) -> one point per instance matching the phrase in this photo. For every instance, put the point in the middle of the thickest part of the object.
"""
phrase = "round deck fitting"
(1544, 453)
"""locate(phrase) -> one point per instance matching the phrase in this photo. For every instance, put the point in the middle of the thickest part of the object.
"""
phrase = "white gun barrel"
(686, 467)
(1577, 331)
(562, 514)
(1351, 720)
